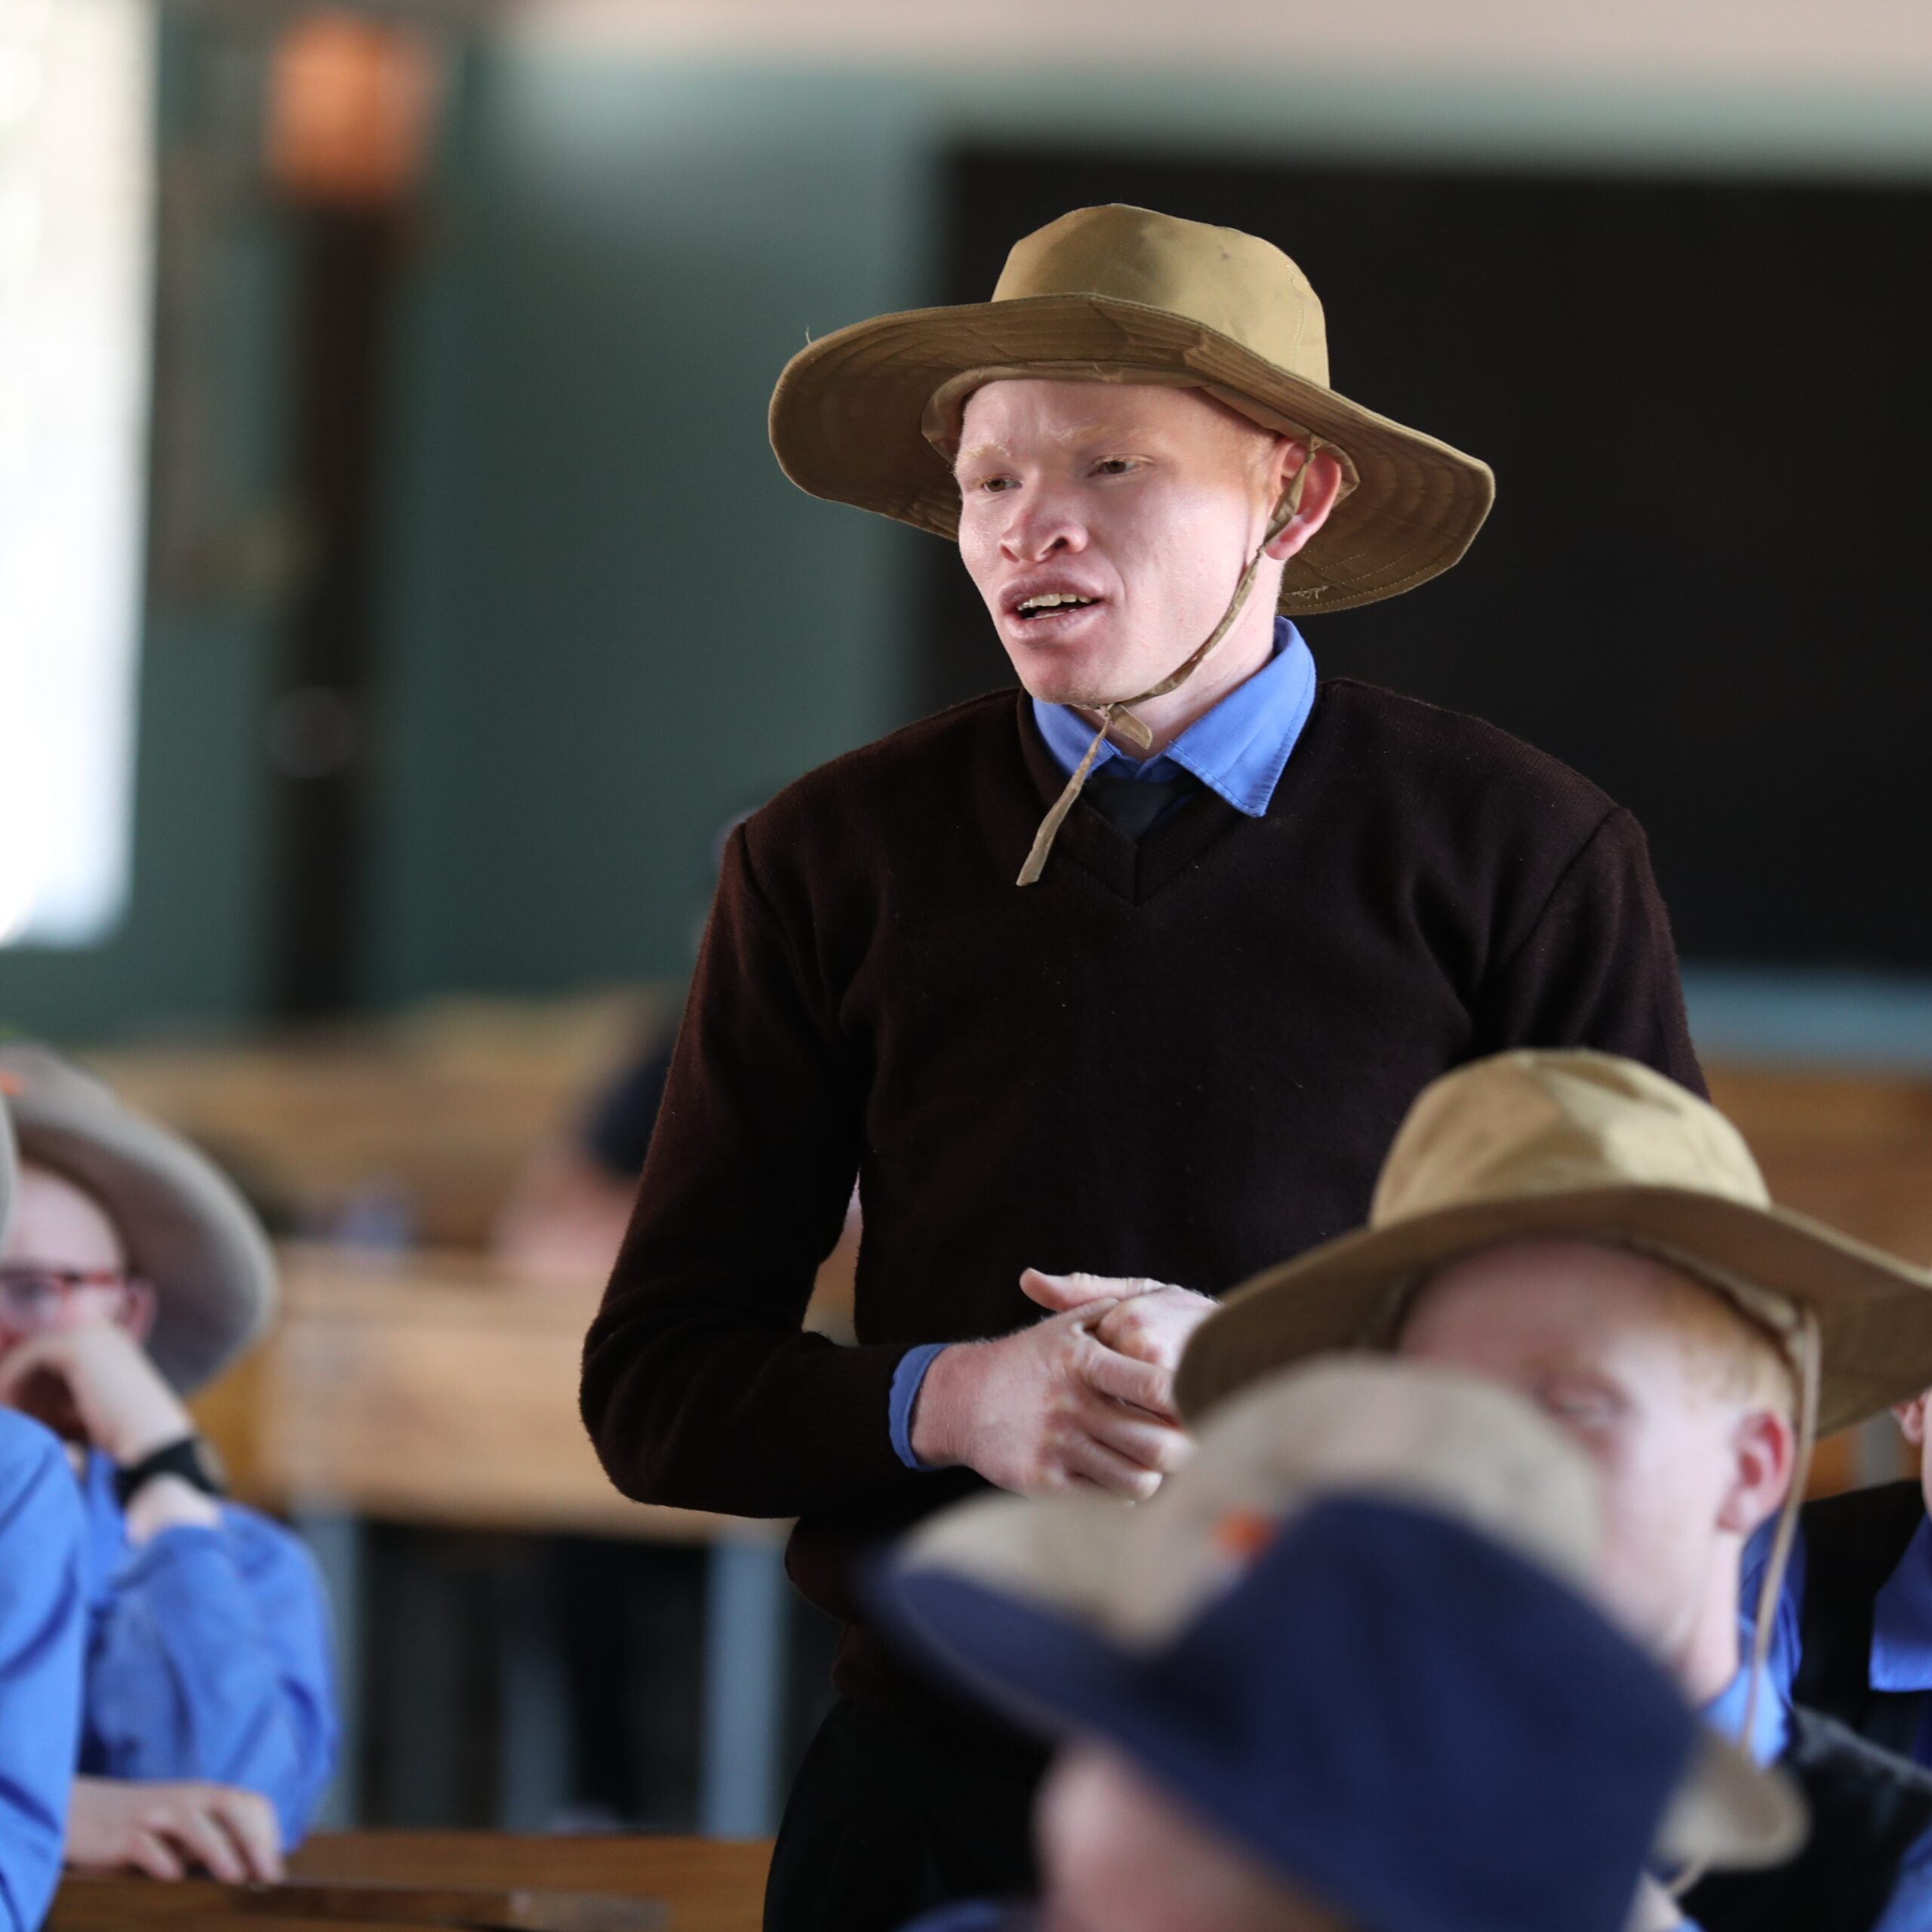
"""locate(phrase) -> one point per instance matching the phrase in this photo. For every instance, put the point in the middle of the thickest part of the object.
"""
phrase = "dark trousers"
(889, 1817)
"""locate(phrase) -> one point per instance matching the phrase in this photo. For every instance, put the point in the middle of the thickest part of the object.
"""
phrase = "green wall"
(618, 622)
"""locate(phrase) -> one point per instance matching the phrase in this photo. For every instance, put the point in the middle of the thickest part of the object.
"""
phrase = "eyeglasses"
(31, 1298)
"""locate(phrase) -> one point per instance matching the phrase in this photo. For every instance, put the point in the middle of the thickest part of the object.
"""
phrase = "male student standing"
(1134, 971)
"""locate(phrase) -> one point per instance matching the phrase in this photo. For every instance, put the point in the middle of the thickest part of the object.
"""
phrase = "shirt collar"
(1902, 1620)
(1237, 749)
(1771, 1726)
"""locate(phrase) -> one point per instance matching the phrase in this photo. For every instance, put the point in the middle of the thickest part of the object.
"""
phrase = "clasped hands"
(1082, 1399)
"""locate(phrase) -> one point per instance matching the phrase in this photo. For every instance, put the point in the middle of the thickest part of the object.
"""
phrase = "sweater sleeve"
(1597, 966)
(212, 1661)
(700, 1389)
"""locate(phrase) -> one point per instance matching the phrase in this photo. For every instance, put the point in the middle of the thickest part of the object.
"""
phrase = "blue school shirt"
(208, 1656)
(1901, 1621)
(42, 1624)
(1238, 750)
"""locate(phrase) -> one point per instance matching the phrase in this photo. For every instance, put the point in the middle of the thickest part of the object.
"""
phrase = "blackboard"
(1709, 404)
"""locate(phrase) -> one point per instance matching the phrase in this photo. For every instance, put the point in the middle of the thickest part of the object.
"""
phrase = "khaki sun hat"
(187, 1228)
(1579, 1145)
(870, 414)
(1108, 1592)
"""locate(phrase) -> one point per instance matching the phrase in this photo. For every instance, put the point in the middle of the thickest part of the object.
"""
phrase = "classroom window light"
(75, 192)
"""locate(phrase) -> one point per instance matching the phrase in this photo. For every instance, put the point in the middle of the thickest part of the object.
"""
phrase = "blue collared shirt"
(1901, 1657)
(42, 1627)
(208, 1656)
(1239, 749)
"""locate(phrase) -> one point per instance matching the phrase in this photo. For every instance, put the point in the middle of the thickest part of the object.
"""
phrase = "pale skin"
(1117, 1854)
(86, 1374)
(1911, 1417)
(1689, 1467)
(1148, 502)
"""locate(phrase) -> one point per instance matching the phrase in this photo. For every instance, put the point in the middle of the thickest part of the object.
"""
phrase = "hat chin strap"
(1120, 711)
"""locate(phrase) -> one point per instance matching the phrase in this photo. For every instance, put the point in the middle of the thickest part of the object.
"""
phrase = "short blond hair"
(1726, 1345)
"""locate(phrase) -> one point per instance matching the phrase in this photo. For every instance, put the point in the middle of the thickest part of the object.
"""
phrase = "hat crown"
(1531, 1124)
(1242, 287)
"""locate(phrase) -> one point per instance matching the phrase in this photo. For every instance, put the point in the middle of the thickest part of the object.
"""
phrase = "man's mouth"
(1051, 603)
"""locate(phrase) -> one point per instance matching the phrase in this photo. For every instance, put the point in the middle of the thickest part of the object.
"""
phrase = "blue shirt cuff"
(905, 1380)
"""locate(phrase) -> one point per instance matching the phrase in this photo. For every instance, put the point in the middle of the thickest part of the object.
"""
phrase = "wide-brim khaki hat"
(869, 415)
(1578, 1145)
(1138, 1579)
(187, 1229)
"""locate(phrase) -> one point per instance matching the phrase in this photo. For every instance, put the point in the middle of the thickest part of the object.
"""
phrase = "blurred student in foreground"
(1343, 1674)
(133, 1272)
(41, 1623)
(1583, 1232)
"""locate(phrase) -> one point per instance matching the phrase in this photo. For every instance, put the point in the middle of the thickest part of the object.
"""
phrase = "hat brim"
(187, 1229)
(1052, 1675)
(847, 416)
(9, 1169)
(1874, 1313)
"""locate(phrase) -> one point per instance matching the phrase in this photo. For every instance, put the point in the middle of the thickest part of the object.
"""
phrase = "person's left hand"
(95, 1380)
(1152, 1323)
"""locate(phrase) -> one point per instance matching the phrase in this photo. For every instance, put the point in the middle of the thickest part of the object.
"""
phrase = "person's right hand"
(1048, 1409)
(168, 1830)
(96, 1377)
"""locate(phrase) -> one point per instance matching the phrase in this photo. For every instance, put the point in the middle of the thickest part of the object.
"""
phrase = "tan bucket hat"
(1422, 1437)
(187, 1228)
(1580, 1145)
(870, 414)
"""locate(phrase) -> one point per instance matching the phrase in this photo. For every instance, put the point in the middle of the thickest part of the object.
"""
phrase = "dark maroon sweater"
(1182, 1059)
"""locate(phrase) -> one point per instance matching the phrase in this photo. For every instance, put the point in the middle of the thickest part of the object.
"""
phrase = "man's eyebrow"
(1072, 433)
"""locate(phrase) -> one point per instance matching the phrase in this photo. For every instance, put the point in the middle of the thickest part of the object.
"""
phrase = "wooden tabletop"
(432, 1388)
(700, 1884)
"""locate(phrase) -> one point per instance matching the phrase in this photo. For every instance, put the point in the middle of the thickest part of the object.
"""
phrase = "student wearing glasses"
(132, 1272)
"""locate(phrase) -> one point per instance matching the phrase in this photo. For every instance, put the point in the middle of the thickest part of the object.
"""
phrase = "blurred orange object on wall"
(352, 105)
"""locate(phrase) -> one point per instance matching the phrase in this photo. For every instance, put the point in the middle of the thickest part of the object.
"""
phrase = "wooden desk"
(707, 1884)
(428, 1389)
(440, 1104)
(711, 1884)
(440, 1390)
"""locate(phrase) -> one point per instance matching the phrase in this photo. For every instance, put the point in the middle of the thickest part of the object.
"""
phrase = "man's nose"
(1044, 524)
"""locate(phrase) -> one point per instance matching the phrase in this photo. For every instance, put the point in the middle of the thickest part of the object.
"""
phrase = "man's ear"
(1319, 496)
(1764, 1453)
(1910, 1417)
(137, 1308)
